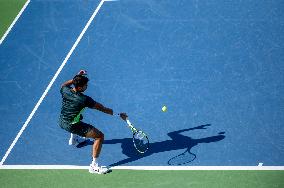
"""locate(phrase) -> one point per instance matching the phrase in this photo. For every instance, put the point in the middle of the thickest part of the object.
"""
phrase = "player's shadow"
(178, 141)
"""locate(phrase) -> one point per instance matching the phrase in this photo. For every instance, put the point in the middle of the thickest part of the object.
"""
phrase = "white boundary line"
(73, 167)
(51, 82)
(14, 22)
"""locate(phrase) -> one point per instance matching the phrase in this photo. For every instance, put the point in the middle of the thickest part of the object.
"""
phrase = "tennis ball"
(164, 109)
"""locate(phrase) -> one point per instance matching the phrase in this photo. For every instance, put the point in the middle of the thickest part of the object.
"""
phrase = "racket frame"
(134, 131)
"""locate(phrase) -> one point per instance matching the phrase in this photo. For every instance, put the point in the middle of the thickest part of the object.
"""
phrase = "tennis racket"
(140, 139)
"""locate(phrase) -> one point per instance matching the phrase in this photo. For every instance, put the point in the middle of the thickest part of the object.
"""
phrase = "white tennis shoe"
(75, 139)
(98, 169)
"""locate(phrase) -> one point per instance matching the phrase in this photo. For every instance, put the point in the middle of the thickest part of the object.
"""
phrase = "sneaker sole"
(96, 172)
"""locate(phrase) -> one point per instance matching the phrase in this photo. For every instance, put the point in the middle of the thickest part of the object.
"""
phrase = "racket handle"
(130, 125)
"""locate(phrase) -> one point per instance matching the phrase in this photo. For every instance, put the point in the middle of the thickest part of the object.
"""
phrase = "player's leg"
(75, 139)
(88, 131)
(99, 138)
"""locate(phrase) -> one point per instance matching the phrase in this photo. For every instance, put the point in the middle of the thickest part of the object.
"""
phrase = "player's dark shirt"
(72, 104)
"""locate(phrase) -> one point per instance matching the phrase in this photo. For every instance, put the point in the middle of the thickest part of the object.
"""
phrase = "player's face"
(84, 87)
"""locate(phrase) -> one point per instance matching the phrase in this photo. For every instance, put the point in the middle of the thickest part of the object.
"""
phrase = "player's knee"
(95, 134)
(101, 136)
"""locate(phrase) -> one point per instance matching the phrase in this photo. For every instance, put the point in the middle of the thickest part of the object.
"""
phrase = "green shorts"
(79, 128)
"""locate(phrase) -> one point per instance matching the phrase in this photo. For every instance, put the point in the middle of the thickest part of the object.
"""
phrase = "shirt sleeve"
(90, 103)
(64, 89)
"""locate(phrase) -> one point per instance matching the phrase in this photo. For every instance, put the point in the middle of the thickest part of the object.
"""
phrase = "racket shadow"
(177, 142)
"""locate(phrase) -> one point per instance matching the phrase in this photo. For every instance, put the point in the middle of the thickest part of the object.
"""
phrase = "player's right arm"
(102, 108)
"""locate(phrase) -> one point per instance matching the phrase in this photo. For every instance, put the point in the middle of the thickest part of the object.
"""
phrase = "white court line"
(73, 167)
(51, 83)
(14, 22)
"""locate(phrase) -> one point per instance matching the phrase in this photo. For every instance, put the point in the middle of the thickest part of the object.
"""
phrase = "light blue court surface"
(217, 65)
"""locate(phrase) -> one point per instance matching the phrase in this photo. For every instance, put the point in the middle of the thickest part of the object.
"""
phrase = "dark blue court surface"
(217, 66)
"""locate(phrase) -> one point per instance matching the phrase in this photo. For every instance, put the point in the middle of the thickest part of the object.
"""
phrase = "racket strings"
(141, 142)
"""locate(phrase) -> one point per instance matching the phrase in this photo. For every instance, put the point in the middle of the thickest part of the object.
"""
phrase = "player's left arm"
(67, 83)
(70, 82)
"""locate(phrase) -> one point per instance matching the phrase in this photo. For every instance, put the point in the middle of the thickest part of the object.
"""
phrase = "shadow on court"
(178, 141)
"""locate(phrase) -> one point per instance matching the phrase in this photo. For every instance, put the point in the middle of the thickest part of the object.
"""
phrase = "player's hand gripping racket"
(140, 139)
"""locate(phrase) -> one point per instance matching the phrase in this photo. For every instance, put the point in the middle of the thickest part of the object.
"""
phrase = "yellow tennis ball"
(164, 109)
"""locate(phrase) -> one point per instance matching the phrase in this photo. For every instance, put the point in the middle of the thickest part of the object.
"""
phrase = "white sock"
(95, 162)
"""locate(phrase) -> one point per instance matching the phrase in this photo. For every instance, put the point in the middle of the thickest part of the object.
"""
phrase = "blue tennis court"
(216, 65)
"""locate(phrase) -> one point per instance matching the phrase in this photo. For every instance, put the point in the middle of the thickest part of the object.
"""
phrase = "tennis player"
(73, 104)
